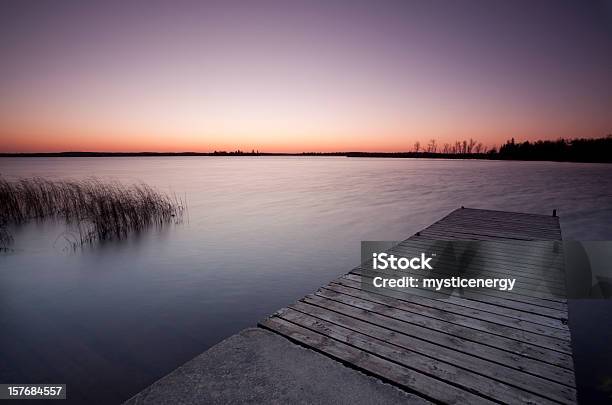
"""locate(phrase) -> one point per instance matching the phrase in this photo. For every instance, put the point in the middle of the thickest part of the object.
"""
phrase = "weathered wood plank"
(548, 224)
(521, 250)
(507, 232)
(480, 310)
(488, 256)
(512, 309)
(541, 298)
(482, 377)
(428, 387)
(522, 284)
(539, 219)
(481, 296)
(491, 226)
(475, 235)
(545, 224)
(429, 341)
(515, 347)
(405, 310)
(532, 296)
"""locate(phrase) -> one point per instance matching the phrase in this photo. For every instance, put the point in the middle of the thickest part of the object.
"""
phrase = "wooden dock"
(474, 346)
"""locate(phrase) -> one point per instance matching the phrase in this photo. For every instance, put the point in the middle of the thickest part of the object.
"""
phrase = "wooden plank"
(480, 297)
(482, 377)
(473, 234)
(517, 348)
(451, 308)
(423, 385)
(522, 298)
(486, 301)
(534, 225)
(560, 305)
(515, 250)
(493, 225)
(529, 227)
(506, 316)
(505, 214)
(540, 297)
(490, 235)
(473, 238)
(530, 249)
(360, 320)
(507, 232)
(445, 372)
(521, 285)
(498, 228)
(480, 220)
(489, 256)
(405, 310)
(544, 270)
(538, 219)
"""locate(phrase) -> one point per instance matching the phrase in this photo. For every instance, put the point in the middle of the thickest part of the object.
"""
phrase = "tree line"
(458, 147)
(567, 150)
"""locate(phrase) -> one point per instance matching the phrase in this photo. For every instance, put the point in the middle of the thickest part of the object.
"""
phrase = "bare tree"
(471, 145)
(417, 146)
(432, 147)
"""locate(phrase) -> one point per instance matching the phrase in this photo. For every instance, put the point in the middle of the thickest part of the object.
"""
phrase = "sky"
(293, 76)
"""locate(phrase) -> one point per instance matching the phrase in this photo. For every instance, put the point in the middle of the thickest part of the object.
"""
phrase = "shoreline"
(379, 155)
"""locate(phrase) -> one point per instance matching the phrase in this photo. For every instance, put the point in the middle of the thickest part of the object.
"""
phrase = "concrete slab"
(258, 366)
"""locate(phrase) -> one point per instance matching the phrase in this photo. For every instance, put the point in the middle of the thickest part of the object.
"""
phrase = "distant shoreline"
(583, 150)
(147, 154)
(396, 155)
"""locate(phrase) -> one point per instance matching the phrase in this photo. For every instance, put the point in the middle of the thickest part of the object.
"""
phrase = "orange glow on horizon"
(303, 77)
(271, 144)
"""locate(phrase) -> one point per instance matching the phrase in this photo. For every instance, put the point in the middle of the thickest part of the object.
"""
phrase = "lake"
(261, 232)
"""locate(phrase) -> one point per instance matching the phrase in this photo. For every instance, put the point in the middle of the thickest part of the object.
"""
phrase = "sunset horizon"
(322, 146)
(301, 77)
(408, 147)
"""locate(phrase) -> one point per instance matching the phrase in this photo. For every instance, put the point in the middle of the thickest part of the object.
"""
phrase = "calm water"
(261, 233)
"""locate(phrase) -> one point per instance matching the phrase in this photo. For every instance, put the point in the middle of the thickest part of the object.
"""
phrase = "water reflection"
(262, 232)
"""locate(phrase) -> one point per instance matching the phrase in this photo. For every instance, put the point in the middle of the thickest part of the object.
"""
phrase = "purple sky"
(295, 76)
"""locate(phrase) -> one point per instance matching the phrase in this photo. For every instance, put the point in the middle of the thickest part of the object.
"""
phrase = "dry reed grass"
(98, 210)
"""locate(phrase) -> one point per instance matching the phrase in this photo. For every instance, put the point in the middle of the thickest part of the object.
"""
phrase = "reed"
(97, 210)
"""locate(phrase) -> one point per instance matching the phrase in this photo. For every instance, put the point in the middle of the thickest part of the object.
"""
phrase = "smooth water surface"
(261, 232)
